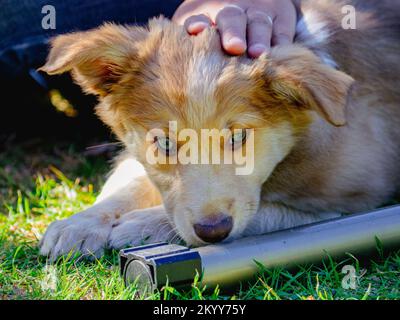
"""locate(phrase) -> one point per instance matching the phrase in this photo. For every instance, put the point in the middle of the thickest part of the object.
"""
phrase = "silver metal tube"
(229, 263)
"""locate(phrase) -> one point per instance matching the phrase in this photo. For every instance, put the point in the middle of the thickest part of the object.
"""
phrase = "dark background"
(27, 112)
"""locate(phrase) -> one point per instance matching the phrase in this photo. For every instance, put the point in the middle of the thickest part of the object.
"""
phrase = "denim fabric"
(23, 41)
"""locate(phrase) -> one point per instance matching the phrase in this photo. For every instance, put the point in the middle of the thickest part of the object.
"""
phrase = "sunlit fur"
(326, 139)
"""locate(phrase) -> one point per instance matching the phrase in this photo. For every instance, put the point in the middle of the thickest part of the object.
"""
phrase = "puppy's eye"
(164, 144)
(238, 138)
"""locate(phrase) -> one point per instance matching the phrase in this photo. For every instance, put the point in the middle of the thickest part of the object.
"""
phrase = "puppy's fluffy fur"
(325, 113)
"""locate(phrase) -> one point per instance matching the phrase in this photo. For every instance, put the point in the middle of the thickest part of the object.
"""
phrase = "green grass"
(53, 183)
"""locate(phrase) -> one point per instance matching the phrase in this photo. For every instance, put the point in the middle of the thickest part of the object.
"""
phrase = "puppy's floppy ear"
(298, 76)
(97, 58)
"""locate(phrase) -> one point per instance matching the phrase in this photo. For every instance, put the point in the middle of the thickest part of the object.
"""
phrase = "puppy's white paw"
(142, 226)
(79, 233)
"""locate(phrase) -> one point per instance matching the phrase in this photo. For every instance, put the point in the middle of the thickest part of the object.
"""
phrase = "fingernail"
(235, 45)
(257, 50)
(197, 27)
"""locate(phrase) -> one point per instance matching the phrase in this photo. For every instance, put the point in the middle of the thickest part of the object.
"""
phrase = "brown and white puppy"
(324, 114)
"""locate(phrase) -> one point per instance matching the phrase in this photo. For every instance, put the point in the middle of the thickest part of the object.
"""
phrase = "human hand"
(252, 25)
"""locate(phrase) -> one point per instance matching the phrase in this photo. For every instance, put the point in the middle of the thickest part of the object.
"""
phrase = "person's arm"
(252, 26)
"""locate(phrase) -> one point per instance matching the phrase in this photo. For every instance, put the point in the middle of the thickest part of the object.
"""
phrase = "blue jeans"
(23, 41)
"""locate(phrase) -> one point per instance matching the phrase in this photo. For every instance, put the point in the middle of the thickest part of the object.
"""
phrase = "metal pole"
(227, 264)
(232, 262)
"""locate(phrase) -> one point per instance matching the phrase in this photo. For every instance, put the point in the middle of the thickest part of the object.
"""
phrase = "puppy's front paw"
(79, 233)
(142, 226)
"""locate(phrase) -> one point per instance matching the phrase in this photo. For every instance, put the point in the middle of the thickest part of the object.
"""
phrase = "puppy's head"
(184, 108)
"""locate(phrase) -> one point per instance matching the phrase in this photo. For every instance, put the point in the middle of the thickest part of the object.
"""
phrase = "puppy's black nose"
(214, 228)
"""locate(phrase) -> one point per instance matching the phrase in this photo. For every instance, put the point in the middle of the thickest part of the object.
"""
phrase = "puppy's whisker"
(175, 235)
(104, 145)
(162, 229)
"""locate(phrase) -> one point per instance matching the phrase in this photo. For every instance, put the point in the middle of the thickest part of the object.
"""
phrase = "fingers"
(250, 25)
(196, 24)
(284, 27)
(231, 22)
(259, 32)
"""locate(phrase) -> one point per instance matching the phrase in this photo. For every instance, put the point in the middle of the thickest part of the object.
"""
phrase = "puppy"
(321, 117)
